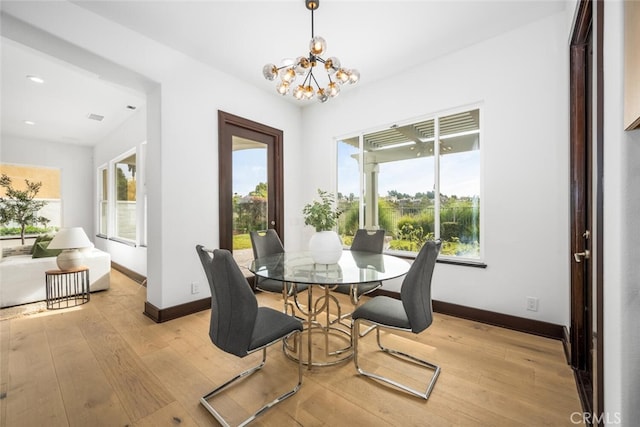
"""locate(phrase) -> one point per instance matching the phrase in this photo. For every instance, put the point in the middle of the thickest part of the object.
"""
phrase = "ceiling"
(379, 38)
(67, 106)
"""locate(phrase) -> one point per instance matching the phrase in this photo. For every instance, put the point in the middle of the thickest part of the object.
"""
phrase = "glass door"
(251, 199)
(250, 195)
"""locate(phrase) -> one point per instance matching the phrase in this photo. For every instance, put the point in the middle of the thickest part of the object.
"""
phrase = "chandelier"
(306, 65)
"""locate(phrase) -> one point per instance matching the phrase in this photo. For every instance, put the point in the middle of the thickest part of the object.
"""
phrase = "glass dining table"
(326, 338)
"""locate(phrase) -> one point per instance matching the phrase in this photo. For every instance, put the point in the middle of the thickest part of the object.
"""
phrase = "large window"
(399, 180)
(122, 198)
(48, 195)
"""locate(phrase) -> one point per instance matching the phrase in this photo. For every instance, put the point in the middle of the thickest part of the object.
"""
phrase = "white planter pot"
(325, 247)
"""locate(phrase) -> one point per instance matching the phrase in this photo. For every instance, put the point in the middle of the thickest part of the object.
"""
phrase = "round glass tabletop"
(352, 268)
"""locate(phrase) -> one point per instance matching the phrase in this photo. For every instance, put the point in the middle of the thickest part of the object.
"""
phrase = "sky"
(459, 173)
(249, 169)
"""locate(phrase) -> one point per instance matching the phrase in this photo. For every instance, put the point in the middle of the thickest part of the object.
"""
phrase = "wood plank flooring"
(106, 364)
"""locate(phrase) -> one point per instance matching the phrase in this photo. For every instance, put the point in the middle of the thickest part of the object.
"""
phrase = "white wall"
(75, 163)
(621, 233)
(521, 78)
(182, 131)
(187, 172)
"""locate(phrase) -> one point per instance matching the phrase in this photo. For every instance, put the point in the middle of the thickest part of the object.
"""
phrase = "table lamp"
(70, 240)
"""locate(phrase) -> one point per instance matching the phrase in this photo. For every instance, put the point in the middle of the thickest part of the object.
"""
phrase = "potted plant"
(325, 244)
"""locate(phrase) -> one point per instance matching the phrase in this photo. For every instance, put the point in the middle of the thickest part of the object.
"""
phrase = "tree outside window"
(30, 200)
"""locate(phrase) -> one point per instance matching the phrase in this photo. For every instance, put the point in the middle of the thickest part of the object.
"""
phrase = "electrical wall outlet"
(195, 287)
(532, 304)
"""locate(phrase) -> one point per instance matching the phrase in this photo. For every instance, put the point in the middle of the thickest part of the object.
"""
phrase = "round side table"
(67, 288)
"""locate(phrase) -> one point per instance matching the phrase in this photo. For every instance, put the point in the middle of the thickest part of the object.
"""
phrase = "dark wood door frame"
(581, 140)
(586, 291)
(228, 126)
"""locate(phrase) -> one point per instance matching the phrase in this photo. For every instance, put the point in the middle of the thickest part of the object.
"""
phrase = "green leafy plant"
(322, 215)
(19, 206)
(411, 238)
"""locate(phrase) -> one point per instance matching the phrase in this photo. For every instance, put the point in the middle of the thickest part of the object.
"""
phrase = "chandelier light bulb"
(354, 76)
(288, 75)
(304, 66)
(332, 65)
(298, 93)
(270, 71)
(342, 75)
(308, 92)
(322, 95)
(317, 46)
(333, 89)
(282, 88)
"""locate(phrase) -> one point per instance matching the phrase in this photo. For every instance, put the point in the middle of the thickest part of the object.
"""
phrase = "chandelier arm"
(310, 73)
(314, 79)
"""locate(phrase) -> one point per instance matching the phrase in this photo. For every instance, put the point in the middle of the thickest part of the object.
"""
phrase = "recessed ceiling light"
(35, 79)
(96, 117)
(29, 122)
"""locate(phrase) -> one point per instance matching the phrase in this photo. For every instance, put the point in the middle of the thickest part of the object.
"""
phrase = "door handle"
(273, 223)
(578, 255)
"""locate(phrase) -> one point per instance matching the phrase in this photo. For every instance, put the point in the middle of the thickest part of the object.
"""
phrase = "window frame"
(140, 239)
(102, 175)
(436, 117)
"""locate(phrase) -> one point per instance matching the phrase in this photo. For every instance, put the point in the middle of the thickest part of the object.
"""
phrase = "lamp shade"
(70, 238)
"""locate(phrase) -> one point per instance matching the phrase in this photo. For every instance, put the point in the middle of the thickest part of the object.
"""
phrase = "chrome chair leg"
(403, 356)
(355, 301)
(204, 400)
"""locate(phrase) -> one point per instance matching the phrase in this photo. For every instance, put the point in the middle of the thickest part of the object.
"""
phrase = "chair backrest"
(234, 307)
(368, 241)
(265, 243)
(416, 287)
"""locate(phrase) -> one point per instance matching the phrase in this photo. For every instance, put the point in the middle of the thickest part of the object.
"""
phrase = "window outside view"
(250, 195)
(125, 182)
(404, 195)
(48, 193)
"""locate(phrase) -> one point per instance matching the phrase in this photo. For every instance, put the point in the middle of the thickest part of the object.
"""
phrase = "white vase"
(325, 247)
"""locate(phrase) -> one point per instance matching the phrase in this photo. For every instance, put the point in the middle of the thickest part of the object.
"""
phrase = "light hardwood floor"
(106, 364)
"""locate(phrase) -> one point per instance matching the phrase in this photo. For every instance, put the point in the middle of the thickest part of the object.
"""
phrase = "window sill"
(451, 261)
(123, 241)
(464, 263)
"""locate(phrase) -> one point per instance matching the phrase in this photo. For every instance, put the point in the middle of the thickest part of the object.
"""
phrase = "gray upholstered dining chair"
(364, 241)
(239, 327)
(265, 243)
(412, 313)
